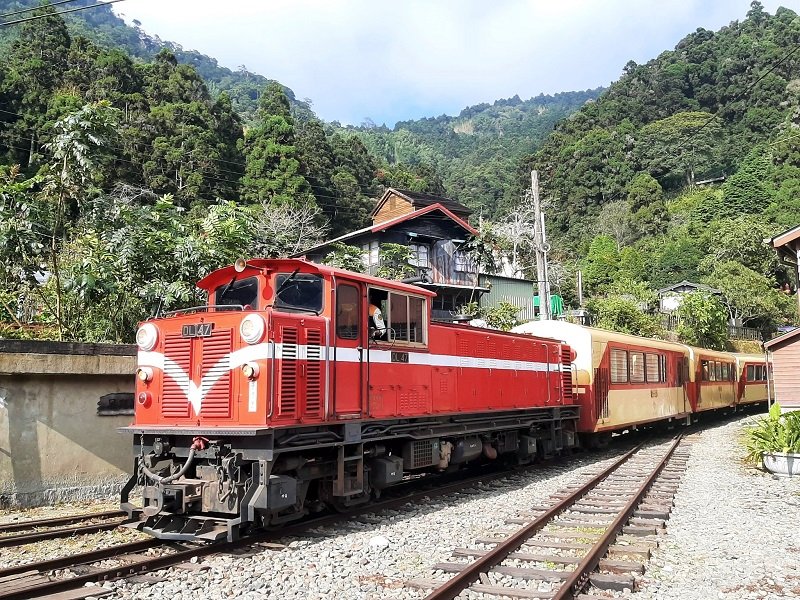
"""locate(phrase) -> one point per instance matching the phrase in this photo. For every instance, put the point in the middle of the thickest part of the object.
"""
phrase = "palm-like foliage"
(774, 433)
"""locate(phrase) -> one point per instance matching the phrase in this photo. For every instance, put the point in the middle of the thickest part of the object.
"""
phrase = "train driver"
(377, 327)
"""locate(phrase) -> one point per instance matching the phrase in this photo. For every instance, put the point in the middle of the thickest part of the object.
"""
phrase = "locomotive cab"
(277, 397)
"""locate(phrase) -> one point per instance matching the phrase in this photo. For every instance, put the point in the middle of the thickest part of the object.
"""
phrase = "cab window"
(298, 292)
(405, 317)
(241, 292)
(347, 312)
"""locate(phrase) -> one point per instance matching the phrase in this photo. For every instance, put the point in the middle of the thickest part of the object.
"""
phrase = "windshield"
(242, 292)
(299, 291)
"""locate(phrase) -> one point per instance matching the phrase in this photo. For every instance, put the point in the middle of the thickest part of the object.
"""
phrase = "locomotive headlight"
(144, 374)
(250, 370)
(252, 328)
(146, 337)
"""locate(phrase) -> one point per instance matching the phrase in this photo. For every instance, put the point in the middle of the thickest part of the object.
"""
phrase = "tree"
(601, 263)
(749, 190)
(77, 141)
(286, 229)
(625, 315)
(516, 231)
(395, 262)
(344, 256)
(615, 220)
(702, 321)
(272, 173)
(748, 296)
(663, 151)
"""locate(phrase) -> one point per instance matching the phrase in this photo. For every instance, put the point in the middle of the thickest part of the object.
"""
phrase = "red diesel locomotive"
(277, 398)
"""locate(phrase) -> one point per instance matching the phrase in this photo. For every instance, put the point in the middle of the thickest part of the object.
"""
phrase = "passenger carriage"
(752, 375)
(622, 380)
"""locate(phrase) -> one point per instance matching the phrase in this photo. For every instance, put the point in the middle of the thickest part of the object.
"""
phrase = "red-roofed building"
(434, 231)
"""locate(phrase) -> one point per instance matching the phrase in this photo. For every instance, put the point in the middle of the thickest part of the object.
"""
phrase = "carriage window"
(751, 373)
(662, 360)
(653, 368)
(707, 373)
(719, 371)
(347, 312)
(637, 367)
(619, 366)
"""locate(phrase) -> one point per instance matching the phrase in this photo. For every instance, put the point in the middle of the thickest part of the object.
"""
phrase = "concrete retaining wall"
(53, 444)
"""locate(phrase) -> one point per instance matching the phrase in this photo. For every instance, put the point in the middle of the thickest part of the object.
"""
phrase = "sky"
(407, 59)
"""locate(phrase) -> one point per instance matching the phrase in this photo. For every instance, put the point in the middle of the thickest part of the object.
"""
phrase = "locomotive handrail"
(181, 311)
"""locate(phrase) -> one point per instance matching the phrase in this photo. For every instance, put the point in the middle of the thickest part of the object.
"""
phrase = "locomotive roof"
(215, 278)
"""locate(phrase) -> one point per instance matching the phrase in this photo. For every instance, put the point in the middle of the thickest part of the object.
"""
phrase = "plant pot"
(785, 464)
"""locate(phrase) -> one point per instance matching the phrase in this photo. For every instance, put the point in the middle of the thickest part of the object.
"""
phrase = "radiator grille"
(420, 453)
(313, 372)
(287, 405)
(177, 370)
(216, 384)
(566, 375)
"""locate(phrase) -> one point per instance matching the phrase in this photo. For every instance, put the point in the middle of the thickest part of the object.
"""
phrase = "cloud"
(398, 60)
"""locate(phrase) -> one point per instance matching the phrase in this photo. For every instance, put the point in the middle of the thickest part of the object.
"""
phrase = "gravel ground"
(732, 535)
(371, 558)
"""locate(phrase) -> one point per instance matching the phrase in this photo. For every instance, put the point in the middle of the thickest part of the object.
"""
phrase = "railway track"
(597, 534)
(28, 532)
(48, 577)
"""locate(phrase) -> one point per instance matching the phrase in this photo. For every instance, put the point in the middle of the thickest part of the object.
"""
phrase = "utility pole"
(540, 244)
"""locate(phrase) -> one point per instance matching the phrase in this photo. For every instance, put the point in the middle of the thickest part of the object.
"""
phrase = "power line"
(33, 8)
(63, 12)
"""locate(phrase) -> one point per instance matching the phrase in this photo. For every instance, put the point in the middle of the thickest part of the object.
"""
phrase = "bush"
(774, 433)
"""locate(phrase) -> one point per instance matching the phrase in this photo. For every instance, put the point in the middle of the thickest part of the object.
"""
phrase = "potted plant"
(774, 441)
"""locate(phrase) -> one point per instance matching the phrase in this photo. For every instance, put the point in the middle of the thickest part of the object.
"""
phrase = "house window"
(370, 254)
(463, 261)
(637, 367)
(619, 366)
(420, 255)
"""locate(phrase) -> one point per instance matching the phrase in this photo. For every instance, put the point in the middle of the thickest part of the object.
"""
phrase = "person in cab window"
(377, 327)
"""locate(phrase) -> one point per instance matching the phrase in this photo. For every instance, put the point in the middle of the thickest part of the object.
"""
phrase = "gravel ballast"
(732, 534)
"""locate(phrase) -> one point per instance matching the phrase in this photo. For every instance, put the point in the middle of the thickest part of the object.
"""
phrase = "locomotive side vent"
(313, 372)
(421, 453)
(566, 376)
(178, 351)
(287, 404)
(217, 375)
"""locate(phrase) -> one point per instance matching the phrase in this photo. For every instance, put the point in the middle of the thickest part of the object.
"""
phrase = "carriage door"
(348, 351)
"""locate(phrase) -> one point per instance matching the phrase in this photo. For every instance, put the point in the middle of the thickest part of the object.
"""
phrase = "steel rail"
(19, 592)
(578, 579)
(471, 573)
(29, 538)
(67, 520)
(80, 559)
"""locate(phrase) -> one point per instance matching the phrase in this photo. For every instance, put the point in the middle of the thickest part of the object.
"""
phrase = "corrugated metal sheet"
(786, 373)
(519, 292)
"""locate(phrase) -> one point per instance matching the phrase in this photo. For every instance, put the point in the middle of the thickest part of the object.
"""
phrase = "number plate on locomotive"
(199, 330)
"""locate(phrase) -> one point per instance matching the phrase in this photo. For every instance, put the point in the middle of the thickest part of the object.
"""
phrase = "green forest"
(129, 168)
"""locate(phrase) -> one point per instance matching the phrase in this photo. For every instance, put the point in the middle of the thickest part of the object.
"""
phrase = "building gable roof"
(782, 339)
(421, 200)
(783, 244)
(690, 284)
(427, 211)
